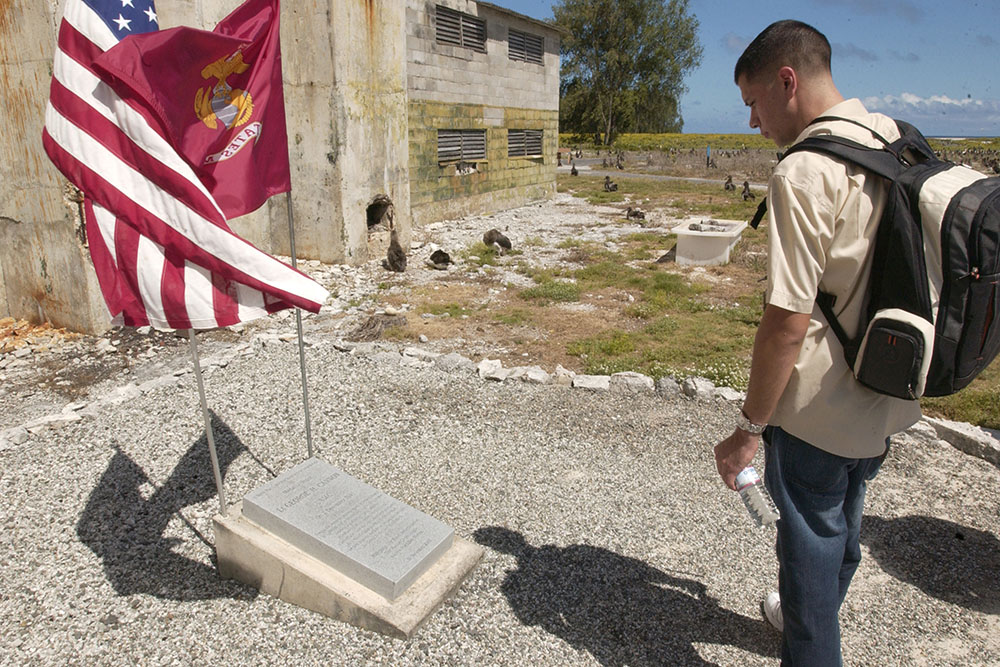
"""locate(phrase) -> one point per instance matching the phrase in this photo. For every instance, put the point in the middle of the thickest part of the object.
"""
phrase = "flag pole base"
(252, 555)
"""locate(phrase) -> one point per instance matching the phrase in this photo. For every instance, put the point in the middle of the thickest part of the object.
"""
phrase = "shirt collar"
(852, 108)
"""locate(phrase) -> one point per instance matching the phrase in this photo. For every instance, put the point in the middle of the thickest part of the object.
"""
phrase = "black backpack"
(931, 321)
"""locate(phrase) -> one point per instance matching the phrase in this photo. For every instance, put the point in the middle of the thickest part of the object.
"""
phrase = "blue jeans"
(820, 497)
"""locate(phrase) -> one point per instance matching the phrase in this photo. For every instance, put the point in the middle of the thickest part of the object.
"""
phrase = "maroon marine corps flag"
(218, 96)
(158, 234)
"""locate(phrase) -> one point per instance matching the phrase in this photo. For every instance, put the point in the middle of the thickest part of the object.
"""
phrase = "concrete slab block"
(972, 440)
(249, 554)
(706, 242)
(380, 542)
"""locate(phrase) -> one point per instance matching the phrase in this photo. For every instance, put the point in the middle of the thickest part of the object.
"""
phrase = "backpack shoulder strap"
(883, 162)
(826, 302)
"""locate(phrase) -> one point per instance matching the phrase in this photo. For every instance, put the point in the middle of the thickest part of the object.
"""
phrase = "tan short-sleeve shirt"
(822, 217)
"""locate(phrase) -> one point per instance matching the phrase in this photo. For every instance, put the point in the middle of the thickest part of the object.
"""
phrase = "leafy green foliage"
(624, 63)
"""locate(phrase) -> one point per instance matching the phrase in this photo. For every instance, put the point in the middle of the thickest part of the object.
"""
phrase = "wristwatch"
(744, 424)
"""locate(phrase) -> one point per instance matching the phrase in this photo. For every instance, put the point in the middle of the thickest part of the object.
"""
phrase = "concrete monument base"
(248, 553)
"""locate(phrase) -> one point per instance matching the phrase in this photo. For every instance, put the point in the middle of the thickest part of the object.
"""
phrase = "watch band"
(744, 424)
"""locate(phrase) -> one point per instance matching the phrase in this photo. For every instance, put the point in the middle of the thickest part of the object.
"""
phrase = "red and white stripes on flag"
(162, 250)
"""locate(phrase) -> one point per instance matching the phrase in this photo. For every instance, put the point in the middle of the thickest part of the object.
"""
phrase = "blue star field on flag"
(126, 17)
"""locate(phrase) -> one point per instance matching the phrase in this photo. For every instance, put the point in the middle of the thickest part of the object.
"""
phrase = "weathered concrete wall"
(452, 87)
(439, 191)
(446, 73)
(45, 272)
(344, 69)
(362, 87)
(369, 56)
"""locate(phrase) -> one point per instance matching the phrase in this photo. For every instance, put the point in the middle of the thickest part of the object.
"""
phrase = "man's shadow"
(125, 530)
(619, 609)
(945, 560)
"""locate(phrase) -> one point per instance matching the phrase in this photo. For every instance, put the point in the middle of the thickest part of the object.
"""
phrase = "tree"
(624, 63)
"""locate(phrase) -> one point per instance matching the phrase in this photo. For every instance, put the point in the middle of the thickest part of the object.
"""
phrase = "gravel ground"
(609, 538)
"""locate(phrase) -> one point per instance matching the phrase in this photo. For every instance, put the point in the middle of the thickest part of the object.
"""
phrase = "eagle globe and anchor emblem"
(225, 105)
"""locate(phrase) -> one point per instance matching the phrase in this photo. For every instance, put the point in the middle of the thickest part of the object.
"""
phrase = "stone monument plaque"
(380, 542)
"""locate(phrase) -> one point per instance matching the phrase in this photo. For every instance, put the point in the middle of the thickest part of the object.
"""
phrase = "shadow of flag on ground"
(620, 610)
(125, 530)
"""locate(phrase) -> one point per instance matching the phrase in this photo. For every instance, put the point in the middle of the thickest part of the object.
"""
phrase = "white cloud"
(733, 43)
(941, 115)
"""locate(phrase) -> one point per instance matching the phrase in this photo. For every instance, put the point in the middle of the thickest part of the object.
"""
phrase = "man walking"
(825, 434)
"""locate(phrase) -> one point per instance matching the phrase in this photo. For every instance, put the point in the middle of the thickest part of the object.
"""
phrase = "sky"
(933, 63)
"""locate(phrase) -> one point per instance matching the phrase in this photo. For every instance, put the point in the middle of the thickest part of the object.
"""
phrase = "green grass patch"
(479, 254)
(685, 197)
(513, 317)
(450, 309)
(978, 403)
(551, 290)
(681, 333)
(668, 141)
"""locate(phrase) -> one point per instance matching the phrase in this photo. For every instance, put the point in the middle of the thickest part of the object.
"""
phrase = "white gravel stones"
(532, 374)
(563, 377)
(454, 361)
(698, 388)
(420, 353)
(492, 369)
(730, 394)
(969, 439)
(632, 383)
(592, 382)
(668, 387)
(609, 537)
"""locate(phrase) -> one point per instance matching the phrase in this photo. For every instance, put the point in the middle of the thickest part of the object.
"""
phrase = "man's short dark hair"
(785, 43)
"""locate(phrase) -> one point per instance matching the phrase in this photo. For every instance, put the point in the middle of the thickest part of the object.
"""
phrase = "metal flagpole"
(298, 325)
(209, 434)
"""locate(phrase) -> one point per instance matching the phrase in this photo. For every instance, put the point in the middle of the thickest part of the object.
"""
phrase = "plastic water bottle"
(756, 497)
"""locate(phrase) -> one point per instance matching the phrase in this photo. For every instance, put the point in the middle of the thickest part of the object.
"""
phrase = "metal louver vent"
(456, 145)
(525, 46)
(454, 27)
(522, 143)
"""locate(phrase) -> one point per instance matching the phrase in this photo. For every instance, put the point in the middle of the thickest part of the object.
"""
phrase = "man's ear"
(789, 81)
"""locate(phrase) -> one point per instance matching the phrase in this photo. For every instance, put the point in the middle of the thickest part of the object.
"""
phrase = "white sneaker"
(771, 608)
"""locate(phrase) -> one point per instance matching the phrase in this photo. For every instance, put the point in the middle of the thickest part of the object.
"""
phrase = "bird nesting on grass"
(494, 239)
(439, 260)
(634, 214)
(747, 195)
(395, 259)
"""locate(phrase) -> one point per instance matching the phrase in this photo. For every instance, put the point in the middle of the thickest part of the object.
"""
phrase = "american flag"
(162, 250)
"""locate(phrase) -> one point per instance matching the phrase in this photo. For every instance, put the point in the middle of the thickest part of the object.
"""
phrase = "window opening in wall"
(522, 143)
(461, 145)
(525, 46)
(460, 29)
(378, 213)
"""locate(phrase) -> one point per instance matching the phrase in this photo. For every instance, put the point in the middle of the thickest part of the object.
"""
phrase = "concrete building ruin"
(439, 108)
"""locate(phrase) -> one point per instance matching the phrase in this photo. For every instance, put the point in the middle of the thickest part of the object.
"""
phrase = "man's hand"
(734, 454)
